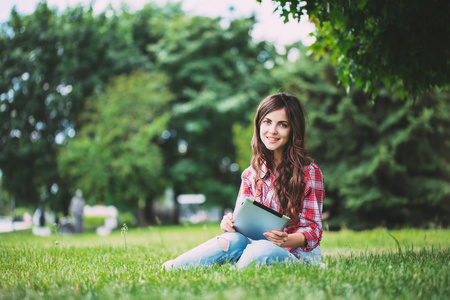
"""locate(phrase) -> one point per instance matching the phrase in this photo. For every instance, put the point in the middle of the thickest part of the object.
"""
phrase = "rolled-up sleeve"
(311, 216)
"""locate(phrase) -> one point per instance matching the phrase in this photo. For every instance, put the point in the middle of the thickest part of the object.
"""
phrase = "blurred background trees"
(50, 64)
(115, 155)
(126, 105)
(212, 71)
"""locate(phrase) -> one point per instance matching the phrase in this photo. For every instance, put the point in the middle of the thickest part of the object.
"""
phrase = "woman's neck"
(276, 159)
(274, 167)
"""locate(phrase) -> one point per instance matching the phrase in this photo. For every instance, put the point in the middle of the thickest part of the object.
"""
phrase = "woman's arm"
(309, 231)
(245, 191)
(246, 188)
(283, 239)
(311, 216)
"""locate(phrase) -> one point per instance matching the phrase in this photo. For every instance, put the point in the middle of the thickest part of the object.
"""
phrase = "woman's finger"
(278, 237)
(227, 223)
(279, 233)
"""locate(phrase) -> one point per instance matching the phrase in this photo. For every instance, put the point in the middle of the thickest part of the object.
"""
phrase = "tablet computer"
(252, 219)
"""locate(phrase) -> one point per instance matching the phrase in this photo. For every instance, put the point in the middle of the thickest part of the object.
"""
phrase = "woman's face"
(274, 131)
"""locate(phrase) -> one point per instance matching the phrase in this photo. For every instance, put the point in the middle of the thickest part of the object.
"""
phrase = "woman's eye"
(283, 125)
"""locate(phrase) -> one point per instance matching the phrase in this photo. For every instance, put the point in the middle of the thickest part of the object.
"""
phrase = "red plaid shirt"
(311, 215)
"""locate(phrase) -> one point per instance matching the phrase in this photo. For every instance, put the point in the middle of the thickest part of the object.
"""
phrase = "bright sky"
(270, 26)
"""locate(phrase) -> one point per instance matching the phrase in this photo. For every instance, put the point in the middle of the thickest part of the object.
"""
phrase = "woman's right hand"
(227, 223)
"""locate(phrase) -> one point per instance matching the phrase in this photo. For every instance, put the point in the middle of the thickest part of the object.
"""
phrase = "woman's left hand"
(277, 237)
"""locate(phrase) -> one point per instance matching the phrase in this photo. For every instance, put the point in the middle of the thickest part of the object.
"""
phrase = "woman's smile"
(272, 139)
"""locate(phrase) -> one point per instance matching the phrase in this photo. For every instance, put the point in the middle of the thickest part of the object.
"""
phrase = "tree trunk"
(149, 213)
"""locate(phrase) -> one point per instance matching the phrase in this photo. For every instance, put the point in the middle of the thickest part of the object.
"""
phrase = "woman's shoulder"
(313, 171)
(314, 177)
(312, 167)
(248, 173)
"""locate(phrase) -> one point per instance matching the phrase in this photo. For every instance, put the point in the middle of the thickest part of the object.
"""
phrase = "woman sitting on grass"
(281, 176)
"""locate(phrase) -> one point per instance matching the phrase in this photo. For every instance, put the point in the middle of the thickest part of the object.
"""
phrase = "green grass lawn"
(377, 264)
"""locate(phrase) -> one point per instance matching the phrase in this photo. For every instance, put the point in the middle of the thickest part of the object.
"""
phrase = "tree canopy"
(402, 44)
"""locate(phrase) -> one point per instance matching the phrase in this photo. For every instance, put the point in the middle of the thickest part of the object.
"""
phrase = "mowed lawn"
(376, 264)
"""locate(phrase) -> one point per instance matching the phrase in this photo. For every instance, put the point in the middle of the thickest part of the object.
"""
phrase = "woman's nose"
(273, 129)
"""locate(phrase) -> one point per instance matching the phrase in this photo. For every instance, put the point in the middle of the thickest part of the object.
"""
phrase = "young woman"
(281, 176)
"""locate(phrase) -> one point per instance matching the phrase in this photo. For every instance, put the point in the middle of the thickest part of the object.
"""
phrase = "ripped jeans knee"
(233, 242)
(227, 247)
(224, 243)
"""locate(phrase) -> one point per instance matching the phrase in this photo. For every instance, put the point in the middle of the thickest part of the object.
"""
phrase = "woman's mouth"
(272, 139)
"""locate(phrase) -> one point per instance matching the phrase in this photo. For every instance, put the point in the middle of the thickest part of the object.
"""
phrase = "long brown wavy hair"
(289, 184)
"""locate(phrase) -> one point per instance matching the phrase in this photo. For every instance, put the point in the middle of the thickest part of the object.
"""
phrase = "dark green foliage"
(402, 44)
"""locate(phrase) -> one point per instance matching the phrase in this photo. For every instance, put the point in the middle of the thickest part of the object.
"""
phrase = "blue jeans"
(240, 250)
